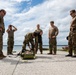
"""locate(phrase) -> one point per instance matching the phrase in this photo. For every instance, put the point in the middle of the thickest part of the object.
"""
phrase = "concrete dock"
(43, 65)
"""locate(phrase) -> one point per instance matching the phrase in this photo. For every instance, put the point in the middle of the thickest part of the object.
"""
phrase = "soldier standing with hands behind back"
(2, 30)
(11, 29)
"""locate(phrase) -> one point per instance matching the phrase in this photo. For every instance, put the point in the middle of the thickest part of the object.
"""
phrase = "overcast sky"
(26, 14)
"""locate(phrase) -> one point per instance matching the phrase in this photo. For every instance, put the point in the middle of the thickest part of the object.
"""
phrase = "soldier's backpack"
(28, 55)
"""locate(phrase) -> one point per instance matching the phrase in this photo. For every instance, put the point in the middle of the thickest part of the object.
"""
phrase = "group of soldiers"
(34, 39)
(37, 36)
(29, 40)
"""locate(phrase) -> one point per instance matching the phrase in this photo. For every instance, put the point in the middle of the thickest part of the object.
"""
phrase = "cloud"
(26, 21)
(21, 0)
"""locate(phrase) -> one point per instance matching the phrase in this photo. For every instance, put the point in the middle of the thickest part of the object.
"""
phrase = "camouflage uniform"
(1, 34)
(70, 44)
(1, 42)
(52, 41)
(38, 40)
(28, 39)
(10, 41)
(73, 34)
(2, 24)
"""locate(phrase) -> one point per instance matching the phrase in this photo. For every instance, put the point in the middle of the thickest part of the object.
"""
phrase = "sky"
(26, 14)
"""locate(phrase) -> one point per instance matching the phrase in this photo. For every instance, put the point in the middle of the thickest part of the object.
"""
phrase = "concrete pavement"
(43, 65)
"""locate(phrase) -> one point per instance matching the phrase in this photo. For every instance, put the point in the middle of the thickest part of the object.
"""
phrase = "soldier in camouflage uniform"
(72, 34)
(53, 32)
(38, 39)
(27, 41)
(10, 41)
(2, 30)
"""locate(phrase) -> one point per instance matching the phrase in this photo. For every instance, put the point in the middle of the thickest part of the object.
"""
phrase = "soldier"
(11, 29)
(72, 34)
(2, 30)
(53, 32)
(38, 39)
(27, 41)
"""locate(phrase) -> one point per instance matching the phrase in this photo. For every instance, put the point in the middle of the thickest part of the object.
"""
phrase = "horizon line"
(43, 45)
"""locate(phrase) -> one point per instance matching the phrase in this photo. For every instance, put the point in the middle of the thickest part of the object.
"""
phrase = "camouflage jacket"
(73, 24)
(0, 34)
(53, 32)
(28, 37)
(11, 35)
(2, 24)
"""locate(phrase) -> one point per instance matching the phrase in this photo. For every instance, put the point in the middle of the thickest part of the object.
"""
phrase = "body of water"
(19, 47)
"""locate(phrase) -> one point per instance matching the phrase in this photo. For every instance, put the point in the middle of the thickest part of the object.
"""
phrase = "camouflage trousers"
(53, 46)
(40, 47)
(10, 44)
(73, 42)
(1, 44)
